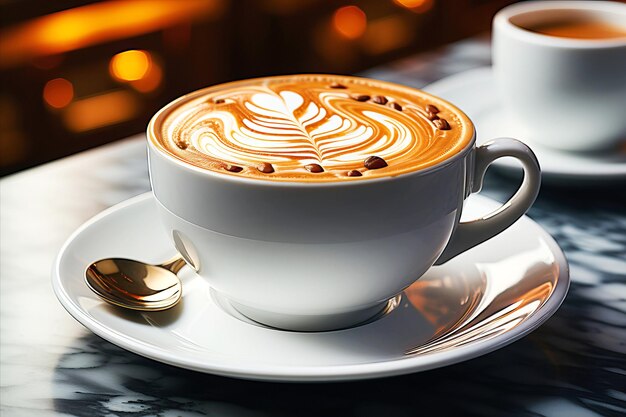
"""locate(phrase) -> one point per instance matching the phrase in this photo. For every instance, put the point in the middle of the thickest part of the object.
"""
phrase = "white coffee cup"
(318, 256)
(563, 93)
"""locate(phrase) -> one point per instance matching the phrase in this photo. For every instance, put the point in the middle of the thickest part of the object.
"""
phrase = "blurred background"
(77, 74)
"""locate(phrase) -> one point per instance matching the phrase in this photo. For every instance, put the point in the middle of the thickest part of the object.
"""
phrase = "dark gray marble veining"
(573, 366)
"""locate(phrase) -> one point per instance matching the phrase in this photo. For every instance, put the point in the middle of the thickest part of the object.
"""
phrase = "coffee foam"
(293, 121)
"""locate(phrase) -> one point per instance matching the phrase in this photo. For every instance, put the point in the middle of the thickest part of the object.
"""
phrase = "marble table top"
(574, 365)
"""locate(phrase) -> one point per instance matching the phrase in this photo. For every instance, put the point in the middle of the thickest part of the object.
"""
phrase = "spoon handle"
(174, 264)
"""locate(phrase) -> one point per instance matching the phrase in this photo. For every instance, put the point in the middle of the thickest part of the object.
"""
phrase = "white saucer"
(474, 92)
(474, 304)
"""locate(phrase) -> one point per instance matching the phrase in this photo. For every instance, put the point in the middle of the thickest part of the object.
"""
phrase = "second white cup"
(563, 93)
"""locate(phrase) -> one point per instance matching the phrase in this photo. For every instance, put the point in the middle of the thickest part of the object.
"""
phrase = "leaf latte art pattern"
(291, 122)
(288, 131)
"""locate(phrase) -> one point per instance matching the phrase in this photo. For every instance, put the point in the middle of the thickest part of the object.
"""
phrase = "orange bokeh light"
(130, 65)
(101, 110)
(150, 81)
(417, 6)
(350, 22)
(58, 93)
(97, 23)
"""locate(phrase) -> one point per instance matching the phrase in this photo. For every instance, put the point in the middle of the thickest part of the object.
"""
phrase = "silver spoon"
(136, 285)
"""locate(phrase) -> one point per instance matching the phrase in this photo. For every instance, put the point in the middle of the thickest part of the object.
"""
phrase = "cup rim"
(502, 21)
(152, 140)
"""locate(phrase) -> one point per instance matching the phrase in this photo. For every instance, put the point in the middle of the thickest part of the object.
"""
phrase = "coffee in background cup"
(560, 68)
(580, 27)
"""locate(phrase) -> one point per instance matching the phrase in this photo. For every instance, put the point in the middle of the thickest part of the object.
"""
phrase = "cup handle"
(471, 233)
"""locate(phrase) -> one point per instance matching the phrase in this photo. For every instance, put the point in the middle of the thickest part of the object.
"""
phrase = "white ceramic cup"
(319, 256)
(563, 93)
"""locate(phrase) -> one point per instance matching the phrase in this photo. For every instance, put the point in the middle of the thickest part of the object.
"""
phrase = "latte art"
(312, 128)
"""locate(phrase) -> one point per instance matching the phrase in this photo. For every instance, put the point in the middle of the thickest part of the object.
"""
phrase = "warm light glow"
(150, 81)
(138, 68)
(58, 93)
(101, 110)
(97, 23)
(350, 22)
(130, 65)
(417, 6)
(388, 33)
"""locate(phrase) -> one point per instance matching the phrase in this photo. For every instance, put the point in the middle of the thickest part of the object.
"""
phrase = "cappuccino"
(312, 128)
(287, 194)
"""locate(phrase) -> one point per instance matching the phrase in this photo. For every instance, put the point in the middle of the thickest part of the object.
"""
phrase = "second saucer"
(475, 92)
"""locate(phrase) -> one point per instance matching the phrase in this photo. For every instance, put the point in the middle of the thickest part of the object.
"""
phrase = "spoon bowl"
(136, 285)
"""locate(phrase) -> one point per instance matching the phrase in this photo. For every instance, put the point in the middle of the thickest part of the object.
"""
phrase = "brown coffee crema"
(578, 29)
(311, 128)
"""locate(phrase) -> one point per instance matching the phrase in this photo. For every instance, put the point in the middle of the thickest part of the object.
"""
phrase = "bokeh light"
(150, 81)
(97, 23)
(58, 93)
(101, 110)
(417, 6)
(130, 65)
(350, 22)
